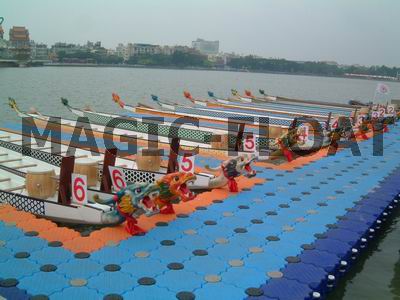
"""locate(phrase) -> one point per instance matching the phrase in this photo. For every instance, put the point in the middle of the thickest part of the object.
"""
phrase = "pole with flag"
(381, 89)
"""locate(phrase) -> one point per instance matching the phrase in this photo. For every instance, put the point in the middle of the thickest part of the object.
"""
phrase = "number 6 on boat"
(117, 178)
(79, 189)
(186, 164)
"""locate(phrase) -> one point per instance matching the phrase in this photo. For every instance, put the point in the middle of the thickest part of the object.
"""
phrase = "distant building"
(19, 37)
(93, 45)
(89, 45)
(206, 47)
(120, 50)
(19, 43)
(331, 63)
(39, 51)
(185, 49)
(139, 49)
(4, 51)
(67, 48)
(167, 50)
(99, 51)
(222, 59)
(4, 48)
(128, 51)
(146, 49)
(111, 52)
(3, 43)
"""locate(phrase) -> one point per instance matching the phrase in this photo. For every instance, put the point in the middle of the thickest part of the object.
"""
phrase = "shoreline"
(201, 69)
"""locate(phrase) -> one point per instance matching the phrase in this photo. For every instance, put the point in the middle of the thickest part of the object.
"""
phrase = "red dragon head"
(177, 184)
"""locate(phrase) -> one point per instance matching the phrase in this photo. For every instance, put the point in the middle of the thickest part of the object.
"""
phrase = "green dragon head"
(137, 198)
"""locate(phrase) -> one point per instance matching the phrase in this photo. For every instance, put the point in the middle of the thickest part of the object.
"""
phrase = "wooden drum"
(149, 159)
(276, 132)
(41, 183)
(88, 167)
(220, 141)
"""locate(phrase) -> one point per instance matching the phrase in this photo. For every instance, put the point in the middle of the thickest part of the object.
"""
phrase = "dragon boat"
(309, 145)
(191, 133)
(194, 136)
(218, 148)
(14, 193)
(107, 132)
(265, 98)
(291, 109)
(274, 119)
(31, 185)
(171, 113)
(202, 181)
(35, 174)
(128, 167)
(280, 140)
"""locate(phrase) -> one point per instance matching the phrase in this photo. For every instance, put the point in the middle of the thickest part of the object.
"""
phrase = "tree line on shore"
(182, 59)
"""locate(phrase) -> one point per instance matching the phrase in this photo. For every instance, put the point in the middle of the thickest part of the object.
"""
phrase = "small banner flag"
(154, 97)
(211, 94)
(262, 92)
(382, 88)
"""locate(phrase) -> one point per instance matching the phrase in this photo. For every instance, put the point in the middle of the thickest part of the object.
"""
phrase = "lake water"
(42, 87)
(375, 276)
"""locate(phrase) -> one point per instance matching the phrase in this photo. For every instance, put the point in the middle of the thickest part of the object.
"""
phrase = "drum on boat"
(88, 167)
(41, 182)
(276, 132)
(220, 141)
(149, 159)
(364, 111)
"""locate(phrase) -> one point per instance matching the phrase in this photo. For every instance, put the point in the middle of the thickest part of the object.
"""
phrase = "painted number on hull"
(391, 110)
(117, 178)
(360, 119)
(382, 111)
(335, 123)
(79, 189)
(303, 133)
(186, 164)
(250, 143)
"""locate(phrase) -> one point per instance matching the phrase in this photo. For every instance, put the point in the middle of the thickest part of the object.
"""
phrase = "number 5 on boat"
(186, 164)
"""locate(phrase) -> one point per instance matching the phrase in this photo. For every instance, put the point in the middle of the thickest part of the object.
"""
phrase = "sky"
(362, 32)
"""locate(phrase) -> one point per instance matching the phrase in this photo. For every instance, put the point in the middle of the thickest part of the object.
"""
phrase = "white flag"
(382, 88)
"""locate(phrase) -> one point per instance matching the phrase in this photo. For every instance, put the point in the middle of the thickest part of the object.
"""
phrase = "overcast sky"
(347, 31)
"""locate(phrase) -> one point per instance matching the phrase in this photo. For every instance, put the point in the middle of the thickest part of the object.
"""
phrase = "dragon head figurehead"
(236, 166)
(137, 198)
(117, 99)
(177, 184)
(131, 202)
(232, 168)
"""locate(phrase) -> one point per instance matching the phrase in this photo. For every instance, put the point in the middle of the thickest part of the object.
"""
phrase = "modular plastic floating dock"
(291, 237)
